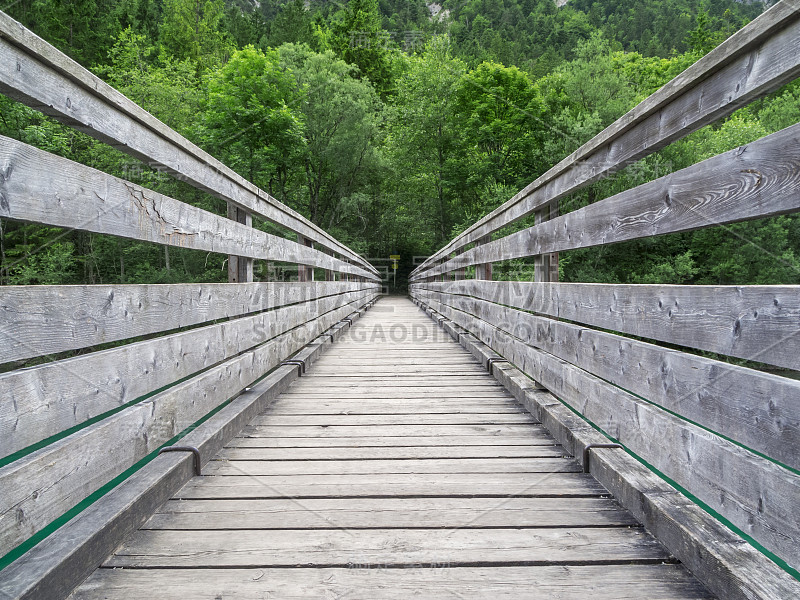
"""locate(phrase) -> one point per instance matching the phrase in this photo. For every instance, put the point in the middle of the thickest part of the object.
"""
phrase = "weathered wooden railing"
(69, 427)
(726, 435)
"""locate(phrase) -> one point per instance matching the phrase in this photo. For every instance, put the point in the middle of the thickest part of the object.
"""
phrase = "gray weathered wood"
(372, 582)
(387, 547)
(756, 409)
(361, 513)
(40, 487)
(41, 320)
(757, 180)
(44, 400)
(729, 565)
(249, 468)
(53, 569)
(350, 431)
(755, 494)
(74, 196)
(532, 438)
(391, 452)
(35, 73)
(306, 420)
(754, 322)
(753, 62)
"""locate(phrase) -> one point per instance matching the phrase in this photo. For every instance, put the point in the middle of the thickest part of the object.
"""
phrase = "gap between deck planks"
(393, 468)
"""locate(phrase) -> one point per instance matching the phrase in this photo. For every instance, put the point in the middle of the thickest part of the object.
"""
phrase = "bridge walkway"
(395, 467)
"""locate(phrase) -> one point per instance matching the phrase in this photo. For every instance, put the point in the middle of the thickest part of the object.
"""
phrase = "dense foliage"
(394, 125)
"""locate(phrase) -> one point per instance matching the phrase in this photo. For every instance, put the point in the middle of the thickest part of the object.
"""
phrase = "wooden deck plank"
(368, 513)
(312, 547)
(372, 582)
(565, 484)
(533, 438)
(391, 452)
(363, 420)
(377, 467)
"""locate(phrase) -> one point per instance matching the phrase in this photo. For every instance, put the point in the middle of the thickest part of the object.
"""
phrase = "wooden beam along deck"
(396, 467)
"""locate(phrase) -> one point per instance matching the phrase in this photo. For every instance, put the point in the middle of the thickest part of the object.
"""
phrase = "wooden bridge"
(313, 439)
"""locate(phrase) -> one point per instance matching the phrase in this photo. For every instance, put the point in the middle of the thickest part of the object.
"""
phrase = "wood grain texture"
(367, 513)
(74, 196)
(531, 438)
(153, 548)
(753, 62)
(730, 566)
(35, 73)
(43, 485)
(760, 179)
(755, 494)
(392, 452)
(275, 420)
(754, 322)
(47, 319)
(756, 409)
(247, 468)
(44, 400)
(372, 582)
(54, 569)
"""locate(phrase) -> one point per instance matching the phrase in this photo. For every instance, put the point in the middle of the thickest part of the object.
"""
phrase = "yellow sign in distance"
(394, 256)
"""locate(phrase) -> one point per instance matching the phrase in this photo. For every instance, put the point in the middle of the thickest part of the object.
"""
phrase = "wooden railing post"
(305, 273)
(483, 271)
(240, 268)
(546, 265)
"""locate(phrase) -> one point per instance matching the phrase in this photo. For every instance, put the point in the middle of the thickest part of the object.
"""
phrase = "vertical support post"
(305, 273)
(545, 266)
(554, 255)
(240, 268)
(483, 270)
(461, 273)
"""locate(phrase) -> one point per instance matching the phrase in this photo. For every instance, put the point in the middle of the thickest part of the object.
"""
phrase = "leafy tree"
(358, 38)
(252, 118)
(191, 29)
(340, 126)
(499, 110)
(423, 141)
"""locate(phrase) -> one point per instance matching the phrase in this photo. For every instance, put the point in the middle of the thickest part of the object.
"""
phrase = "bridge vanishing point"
(317, 439)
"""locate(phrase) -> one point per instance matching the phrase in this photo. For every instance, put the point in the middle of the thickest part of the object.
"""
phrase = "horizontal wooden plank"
(758, 180)
(740, 321)
(532, 439)
(273, 420)
(409, 393)
(391, 452)
(35, 73)
(52, 397)
(753, 408)
(390, 430)
(364, 513)
(74, 196)
(40, 487)
(372, 582)
(418, 406)
(756, 495)
(753, 62)
(500, 485)
(247, 468)
(47, 319)
(391, 547)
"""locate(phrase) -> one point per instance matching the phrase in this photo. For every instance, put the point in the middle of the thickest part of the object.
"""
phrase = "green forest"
(394, 124)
